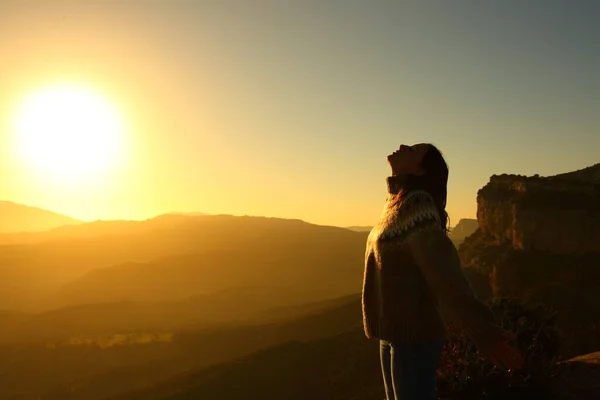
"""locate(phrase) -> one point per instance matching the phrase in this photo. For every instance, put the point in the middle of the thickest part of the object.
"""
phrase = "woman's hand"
(503, 355)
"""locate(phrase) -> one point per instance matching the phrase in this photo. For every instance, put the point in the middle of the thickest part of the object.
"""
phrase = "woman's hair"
(434, 181)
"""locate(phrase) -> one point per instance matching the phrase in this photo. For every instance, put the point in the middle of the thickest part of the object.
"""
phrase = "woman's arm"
(439, 263)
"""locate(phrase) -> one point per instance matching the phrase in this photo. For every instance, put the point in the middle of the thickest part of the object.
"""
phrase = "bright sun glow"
(68, 133)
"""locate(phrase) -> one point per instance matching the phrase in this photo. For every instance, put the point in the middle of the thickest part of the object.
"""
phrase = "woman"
(413, 277)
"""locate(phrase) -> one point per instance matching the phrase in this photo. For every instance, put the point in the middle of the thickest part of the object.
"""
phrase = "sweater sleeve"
(440, 265)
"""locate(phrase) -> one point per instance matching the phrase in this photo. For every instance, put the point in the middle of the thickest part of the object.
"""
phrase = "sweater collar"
(395, 183)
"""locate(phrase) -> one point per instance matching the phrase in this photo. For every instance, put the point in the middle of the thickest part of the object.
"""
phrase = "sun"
(68, 133)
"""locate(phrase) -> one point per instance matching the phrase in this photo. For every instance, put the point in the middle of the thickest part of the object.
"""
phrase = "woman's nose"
(403, 147)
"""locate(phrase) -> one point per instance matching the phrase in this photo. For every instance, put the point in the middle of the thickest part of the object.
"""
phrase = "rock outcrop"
(589, 174)
(556, 215)
(539, 238)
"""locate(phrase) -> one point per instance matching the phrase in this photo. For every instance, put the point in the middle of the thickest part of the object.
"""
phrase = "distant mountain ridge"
(360, 228)
(464, 228)
(191, 213)
(16, 218)
(458, 233)
(108, 261)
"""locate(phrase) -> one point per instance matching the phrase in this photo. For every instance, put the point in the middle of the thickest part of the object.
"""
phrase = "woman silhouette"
(413, 280)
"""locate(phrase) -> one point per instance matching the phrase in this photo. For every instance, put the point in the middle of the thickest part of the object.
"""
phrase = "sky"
(288, 108)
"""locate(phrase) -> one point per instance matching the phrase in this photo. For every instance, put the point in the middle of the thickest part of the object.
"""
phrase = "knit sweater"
(413, 281)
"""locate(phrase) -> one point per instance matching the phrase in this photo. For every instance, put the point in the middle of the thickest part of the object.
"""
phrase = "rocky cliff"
(539, 238)
(589, 174)
(556, 214)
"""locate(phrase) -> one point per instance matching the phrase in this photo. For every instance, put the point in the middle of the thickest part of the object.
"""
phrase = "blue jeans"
(409, 369)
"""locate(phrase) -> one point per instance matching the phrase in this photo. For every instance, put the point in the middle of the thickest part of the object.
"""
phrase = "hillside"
(341, 367)
(96, 367)
(317, 272)
(240, 305)
(21, 218)
(350, 370)
(346, 366)
(172, 257)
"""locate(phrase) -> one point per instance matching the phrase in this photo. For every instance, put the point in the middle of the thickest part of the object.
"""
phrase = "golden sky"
(288, 110)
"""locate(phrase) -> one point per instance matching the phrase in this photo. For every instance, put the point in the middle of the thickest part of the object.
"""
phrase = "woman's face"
(407, 159)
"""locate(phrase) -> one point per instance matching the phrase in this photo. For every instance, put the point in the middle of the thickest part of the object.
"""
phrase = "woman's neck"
(395, 183)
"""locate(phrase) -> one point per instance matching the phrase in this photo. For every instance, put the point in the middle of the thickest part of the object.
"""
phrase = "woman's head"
(424, 168)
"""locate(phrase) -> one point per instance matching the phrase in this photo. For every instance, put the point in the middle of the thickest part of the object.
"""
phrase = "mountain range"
(102, 308)
(21, 218)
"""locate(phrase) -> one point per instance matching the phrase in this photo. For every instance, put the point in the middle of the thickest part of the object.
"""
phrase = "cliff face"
(539, 239)
(557, 215)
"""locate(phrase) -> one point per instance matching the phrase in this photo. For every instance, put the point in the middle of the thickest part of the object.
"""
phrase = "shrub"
(465, 372)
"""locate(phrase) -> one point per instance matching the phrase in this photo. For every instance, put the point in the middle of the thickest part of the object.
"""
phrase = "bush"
(466, 373)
